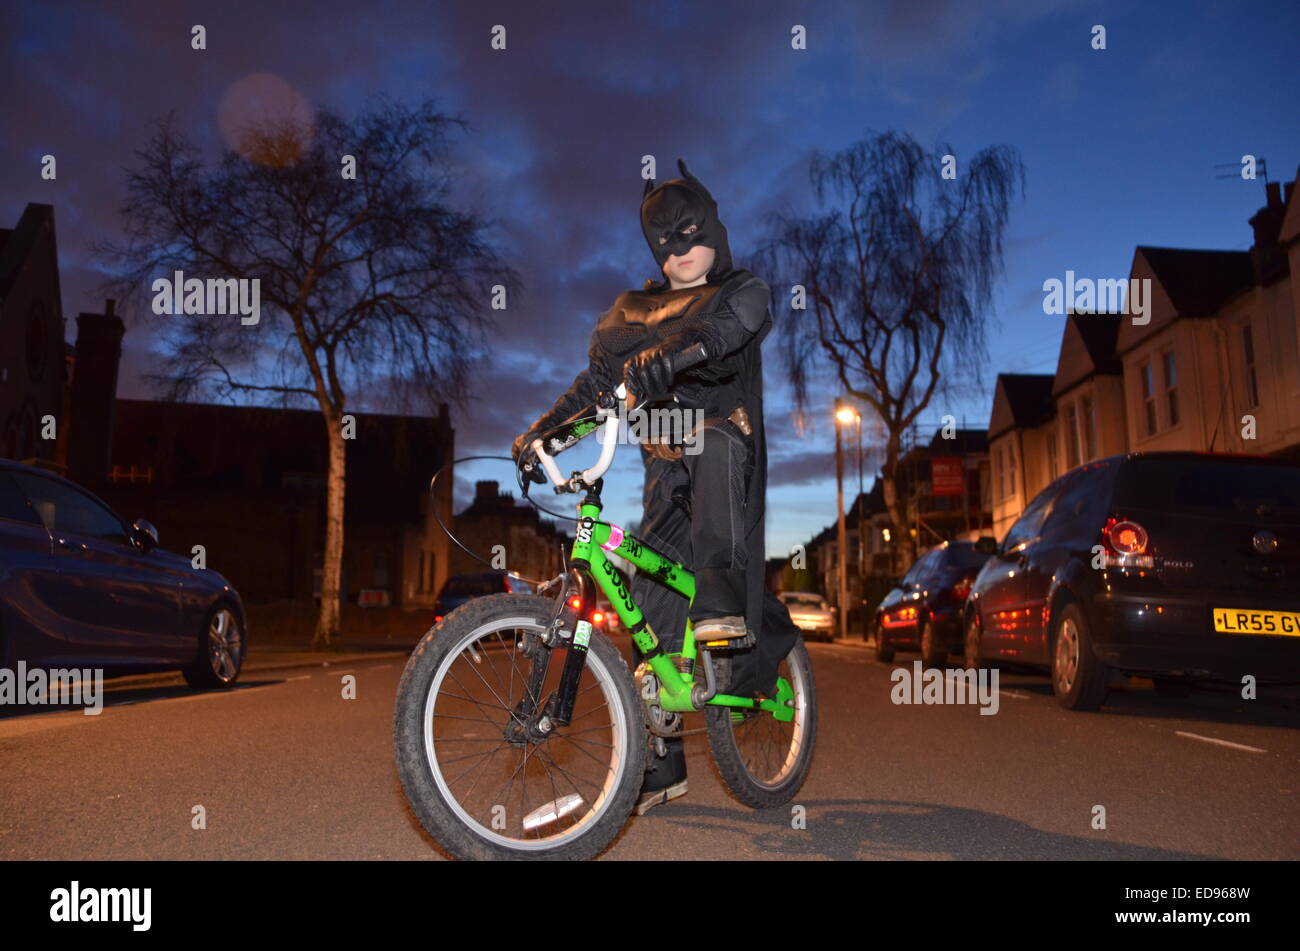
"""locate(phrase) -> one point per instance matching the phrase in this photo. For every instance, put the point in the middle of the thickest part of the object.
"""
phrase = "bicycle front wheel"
(480, 778)
(762, 760)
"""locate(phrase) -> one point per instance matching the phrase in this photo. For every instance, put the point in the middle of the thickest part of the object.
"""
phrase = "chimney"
(1266, 253)
(94, 390)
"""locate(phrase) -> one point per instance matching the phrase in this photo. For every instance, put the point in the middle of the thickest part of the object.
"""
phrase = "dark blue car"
(924, 611)
(80, 587)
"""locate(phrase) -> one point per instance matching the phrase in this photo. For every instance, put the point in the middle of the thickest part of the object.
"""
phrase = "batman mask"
(671, 208)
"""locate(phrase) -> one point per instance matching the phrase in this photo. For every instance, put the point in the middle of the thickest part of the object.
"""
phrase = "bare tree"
(370, 282)
(898, 266)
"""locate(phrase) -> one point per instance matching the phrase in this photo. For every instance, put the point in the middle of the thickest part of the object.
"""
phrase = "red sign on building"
(947, 477)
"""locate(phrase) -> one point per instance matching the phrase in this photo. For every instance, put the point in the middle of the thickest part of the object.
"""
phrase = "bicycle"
(556, 783)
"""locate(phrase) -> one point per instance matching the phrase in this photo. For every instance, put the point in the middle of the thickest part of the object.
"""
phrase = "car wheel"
(884, 653)
(973, 658)
(220, 654)
(933, 654)
(1172, 689)
(1079, 680)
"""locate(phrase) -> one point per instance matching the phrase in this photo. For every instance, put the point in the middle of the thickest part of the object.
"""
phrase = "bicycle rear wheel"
(762, 760)
(481, 784)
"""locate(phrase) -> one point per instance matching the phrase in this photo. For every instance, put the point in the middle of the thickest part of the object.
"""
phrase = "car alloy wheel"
(225, 645)
(1066, 666)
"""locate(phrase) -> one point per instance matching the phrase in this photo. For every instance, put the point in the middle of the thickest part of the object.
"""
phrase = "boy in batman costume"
(703, 508)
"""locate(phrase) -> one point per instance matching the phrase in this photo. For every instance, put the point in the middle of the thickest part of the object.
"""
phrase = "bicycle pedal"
(730, 644)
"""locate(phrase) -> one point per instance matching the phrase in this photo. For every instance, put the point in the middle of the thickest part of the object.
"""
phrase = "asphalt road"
(285, 768)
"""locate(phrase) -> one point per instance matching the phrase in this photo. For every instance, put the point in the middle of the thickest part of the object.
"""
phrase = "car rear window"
(965, 556)
(1225, 485)
(472, 586)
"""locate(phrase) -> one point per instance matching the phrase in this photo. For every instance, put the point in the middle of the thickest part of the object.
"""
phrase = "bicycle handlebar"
(688, 358)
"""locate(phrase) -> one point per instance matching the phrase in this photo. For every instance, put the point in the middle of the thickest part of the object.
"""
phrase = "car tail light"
(899, 618)
(597, 617)
(961, 589)
(437, 619)
(575, 603)
(1126, 544)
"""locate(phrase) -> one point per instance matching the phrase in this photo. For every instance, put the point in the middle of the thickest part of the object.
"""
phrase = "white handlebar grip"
(548, 463)
(608, 443)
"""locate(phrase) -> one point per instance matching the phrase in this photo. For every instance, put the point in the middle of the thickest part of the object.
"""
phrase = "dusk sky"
(1120, 147)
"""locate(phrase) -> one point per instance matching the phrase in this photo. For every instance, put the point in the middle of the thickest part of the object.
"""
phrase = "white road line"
(1014, 693)
(1210, 739)
(382, 667)
(303, 677)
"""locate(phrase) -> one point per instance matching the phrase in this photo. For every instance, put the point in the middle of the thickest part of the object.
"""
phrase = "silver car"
(810, 613)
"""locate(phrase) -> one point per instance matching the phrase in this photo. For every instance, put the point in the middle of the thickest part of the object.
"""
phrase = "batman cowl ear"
(649, 187)
(686, 172)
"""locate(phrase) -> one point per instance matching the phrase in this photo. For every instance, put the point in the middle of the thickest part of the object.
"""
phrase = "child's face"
(685, 269)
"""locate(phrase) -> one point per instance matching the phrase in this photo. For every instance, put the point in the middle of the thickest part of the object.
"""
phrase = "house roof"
(963, 442)
(16, 243)
(1199, 282)
(1088, 348)
(1021, 400)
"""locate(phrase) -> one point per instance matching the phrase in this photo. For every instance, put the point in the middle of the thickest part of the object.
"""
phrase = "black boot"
(665, 779)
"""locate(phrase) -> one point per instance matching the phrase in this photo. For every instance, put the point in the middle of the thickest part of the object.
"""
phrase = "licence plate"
(1235, 621)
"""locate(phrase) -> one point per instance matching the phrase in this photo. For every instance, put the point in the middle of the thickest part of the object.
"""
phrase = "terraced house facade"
(1216, 368)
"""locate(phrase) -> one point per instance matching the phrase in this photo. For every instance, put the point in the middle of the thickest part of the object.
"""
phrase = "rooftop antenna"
(1233, 169)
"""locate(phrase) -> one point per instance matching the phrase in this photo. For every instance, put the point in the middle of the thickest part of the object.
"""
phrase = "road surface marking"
(303, 677)
(1210, 739)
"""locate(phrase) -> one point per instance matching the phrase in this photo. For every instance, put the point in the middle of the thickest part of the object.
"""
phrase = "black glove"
(522, 452)
(651, 372)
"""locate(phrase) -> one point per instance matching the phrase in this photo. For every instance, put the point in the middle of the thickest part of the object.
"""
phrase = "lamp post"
(844, 414)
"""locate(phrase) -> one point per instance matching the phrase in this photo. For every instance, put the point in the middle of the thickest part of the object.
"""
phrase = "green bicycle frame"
(592, 539)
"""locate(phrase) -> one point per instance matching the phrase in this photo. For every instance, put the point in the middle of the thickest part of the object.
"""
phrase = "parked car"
(1174, 566)
(79, 587)
(458, 589)
(809, 612)
(924, 611)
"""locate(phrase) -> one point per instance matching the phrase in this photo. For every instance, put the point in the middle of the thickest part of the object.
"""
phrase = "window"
(1053, 455)
(1027, 526)
(1251, 378)
(1072, 435)
(1089, 429)
(1171, 386)
(1148, 399)
(64, 508)
(1081, 503)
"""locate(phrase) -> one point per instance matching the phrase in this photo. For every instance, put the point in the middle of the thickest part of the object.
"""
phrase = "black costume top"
(731, 312)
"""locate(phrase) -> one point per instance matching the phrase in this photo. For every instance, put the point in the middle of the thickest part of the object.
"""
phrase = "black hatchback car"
(79, 587)
(1174, 566)
(924, 612)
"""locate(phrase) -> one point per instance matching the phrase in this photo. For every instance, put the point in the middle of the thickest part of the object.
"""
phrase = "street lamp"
(844, 415)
